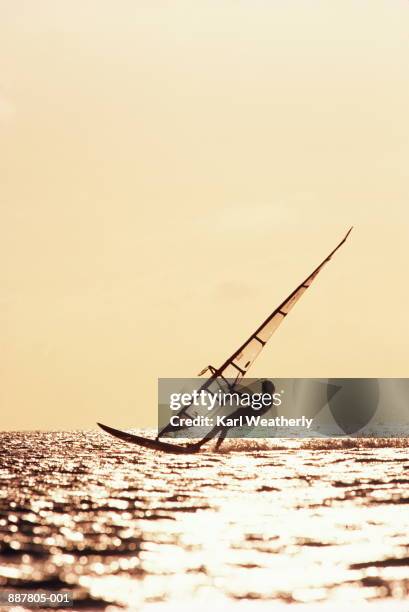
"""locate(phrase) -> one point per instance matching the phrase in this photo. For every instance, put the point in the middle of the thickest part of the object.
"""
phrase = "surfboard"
(165, 447)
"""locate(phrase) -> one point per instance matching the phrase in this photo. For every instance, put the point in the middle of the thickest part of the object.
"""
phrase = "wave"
(246, 445)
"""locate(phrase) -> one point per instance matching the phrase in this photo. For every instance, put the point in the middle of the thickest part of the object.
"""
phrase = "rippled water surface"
(310, 524)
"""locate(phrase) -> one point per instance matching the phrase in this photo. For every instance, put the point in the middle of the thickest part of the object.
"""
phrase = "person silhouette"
(266, 387)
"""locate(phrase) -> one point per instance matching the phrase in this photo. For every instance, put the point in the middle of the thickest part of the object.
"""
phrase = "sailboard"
(166, 447)
(234, 368)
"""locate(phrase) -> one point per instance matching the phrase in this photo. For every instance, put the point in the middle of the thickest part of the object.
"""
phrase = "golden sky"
(170, 171)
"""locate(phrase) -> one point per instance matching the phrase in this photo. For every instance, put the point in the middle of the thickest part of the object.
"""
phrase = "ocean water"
(261, 525)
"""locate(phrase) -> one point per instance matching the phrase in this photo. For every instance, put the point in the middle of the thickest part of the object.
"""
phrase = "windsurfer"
(267, 387)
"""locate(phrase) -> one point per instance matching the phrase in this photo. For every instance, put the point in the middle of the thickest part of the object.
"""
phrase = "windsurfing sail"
(238, 364)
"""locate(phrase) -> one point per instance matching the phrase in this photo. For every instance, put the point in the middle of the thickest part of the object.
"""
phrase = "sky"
(170, 171)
